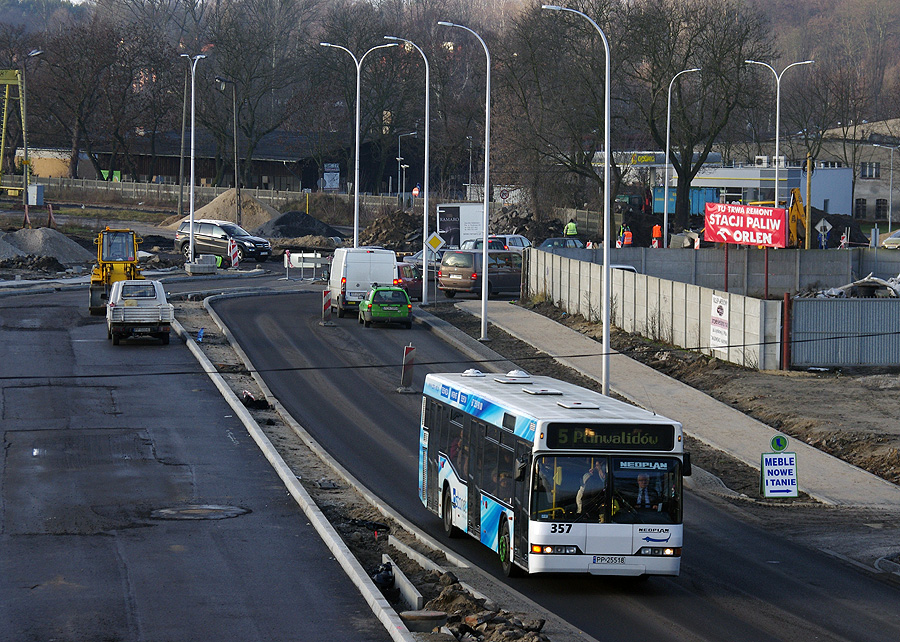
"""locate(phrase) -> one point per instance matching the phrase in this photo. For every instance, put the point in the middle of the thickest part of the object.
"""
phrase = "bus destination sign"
(569, 436)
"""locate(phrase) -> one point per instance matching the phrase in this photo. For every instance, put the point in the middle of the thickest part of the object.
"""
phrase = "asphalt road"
(96, 440)
(738, 582)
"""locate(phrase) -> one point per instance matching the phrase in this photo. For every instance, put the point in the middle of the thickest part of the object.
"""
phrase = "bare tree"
(668, 36)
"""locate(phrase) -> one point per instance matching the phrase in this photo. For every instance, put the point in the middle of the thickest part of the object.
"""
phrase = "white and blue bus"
(551, 476)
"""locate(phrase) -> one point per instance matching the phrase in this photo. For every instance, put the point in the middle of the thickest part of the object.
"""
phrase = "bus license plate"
(606, 559)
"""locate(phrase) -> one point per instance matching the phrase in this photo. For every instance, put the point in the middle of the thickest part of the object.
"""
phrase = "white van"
(353, 272)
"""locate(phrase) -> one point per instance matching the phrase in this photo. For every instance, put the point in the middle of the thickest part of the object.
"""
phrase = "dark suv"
(211, 237)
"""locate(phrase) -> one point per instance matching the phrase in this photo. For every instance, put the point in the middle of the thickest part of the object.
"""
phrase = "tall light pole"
(891, 188)
(426, 181)
(487, 164)
(668, 135)
(469, 138)
(607, 193)
(358, 63)
(778, 108)
(404, 167)
(237, 171)
(25, 164)
(400, 160)
(192, 61)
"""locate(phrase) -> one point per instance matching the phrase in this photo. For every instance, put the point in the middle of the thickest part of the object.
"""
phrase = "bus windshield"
(604, 489)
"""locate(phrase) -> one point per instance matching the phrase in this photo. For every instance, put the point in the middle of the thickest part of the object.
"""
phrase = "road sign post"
(406, 372)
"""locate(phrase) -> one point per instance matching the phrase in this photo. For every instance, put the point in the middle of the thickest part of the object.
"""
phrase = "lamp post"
(26, 168)
(487, 164)
(192, 61)
(400, 160)
(469, 138)
(778, 108)
(425, 182)
(358, 63)
(668, 134)
(404, 167)
(607, 192)
(237, 172)
(891, 188)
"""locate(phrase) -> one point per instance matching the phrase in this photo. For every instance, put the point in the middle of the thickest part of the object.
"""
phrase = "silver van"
(461, 272)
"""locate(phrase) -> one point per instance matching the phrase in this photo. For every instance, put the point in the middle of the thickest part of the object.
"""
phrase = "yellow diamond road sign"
(435, 242)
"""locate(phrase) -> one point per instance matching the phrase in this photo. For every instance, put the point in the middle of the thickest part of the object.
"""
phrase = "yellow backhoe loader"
(116, 261)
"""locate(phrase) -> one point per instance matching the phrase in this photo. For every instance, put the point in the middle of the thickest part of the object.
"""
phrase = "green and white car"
(386, 305)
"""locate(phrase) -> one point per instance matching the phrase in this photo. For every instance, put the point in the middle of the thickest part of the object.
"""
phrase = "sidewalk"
(823, 477)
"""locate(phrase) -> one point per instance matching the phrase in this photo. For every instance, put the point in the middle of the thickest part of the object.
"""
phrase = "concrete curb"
(376, 601)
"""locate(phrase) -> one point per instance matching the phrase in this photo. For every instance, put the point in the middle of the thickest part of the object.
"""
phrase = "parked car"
(212, 236)
(461, 272)
(560, 242)
(892, 242)
(386, 305)
(434, 262)
(138, 308)
(410, 279)
(476, 244)
(514, 242)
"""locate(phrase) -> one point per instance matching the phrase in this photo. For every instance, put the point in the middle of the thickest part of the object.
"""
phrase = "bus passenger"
(591, 496)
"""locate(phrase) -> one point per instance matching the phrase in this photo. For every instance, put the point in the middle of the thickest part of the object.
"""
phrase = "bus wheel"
(447, 512)
(504, 549)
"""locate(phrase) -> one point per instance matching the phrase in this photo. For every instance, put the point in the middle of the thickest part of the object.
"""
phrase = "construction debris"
(870, 287)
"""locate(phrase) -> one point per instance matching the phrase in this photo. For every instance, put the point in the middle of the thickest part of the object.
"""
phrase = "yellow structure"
(116, 261)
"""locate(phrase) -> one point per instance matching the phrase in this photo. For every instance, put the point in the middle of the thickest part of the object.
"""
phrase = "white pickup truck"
(138, 309)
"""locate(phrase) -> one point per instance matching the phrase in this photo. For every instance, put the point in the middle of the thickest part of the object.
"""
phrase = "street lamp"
(607, 193)
(668, 130)
(358, 63)
(891, 188)
(192, 61)
(778, 108)
(400, 160)
(469, 138)
(404, 168)
(237, 185)
(25, 164)
(426, 180)
(487, 163)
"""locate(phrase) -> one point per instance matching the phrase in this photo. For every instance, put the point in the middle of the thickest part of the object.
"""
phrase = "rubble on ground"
(510, 219)
(46, 264)
(310, 242)
(473, 619)
(870, 287)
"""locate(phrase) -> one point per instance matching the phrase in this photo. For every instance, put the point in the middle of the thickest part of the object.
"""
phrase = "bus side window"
(489, 467)
(506, 473)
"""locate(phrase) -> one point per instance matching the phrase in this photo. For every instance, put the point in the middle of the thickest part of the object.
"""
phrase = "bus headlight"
(558, 549)
(659, 551)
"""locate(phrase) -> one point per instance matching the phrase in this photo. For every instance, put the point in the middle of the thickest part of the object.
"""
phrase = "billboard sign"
(745, 225)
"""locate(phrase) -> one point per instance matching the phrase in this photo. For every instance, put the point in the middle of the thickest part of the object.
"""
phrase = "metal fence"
(845, 332)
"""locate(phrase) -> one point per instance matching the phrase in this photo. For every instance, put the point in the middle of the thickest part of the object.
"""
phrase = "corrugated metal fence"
(845, 332)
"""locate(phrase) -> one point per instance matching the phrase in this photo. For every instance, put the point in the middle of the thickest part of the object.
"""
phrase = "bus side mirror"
(521, 467)
(686, 465)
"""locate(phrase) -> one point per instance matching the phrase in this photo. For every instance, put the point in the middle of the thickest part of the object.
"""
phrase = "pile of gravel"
(45, 241)
(295, 224)
(8, 251)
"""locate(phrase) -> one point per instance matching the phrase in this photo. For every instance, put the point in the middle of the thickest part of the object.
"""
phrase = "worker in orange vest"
(626, 240)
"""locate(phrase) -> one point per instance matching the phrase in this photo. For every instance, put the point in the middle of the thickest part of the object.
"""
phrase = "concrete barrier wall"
(660, 309)
(790, 271)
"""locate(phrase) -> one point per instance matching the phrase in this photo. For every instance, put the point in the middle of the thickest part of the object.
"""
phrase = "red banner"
(745, 225)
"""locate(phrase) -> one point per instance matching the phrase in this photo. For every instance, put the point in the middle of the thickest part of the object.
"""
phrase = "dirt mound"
(8, 251)
(398, 231)
(511, 220)
(295, 224)
(45, 241)
(302, 243)
(46, 264)
(254, 213)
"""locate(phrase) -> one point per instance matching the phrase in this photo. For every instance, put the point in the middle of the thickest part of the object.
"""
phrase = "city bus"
(553, 477)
